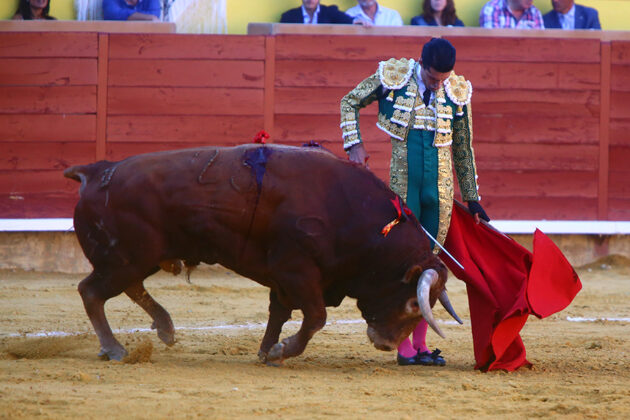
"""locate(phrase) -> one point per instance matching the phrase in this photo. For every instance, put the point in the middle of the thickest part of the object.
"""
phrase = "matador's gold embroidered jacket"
(401, 109)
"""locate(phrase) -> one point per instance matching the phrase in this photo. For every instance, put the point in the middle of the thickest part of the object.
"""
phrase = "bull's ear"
(412, 274)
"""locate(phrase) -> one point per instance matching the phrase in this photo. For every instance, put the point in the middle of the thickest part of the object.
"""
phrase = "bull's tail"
(83, 173)
(76, 172)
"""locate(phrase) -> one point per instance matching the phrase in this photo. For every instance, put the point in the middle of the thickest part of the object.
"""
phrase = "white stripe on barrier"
(263, 325)
(584, 227)
(580, 319)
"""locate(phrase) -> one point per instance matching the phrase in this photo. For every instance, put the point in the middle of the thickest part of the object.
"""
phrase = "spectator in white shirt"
(373, 13)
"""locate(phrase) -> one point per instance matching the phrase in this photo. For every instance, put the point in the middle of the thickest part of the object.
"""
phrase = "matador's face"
(432, 78)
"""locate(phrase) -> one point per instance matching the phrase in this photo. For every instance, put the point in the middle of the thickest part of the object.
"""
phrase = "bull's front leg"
(314, 311)
(161, 319)
(278, 315)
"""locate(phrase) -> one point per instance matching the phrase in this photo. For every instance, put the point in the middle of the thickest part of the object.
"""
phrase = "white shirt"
(567, 20)
(383, 16)
(421, 86)
(307, 18)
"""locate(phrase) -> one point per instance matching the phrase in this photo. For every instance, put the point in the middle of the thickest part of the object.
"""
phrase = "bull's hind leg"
(161, 318)
(278, 315)
(95, 290)
(303, 288)
(94, 293)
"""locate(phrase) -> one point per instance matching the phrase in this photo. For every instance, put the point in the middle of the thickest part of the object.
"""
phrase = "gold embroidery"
(439, 95)
(394, 130)
(359, 97)
(443, 126)
(458, 89)
(463, 156)
(444, 111)
(394, 74)
(401, 117)
(445, 194)
(398, 173)
(442, 140)
(404, 103)
(412, 89)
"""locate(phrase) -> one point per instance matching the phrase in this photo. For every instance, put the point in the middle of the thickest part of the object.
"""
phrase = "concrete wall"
(60, 251)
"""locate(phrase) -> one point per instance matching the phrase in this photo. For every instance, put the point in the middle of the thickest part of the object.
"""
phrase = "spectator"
(568, 15)
(372, 13)
(519, 14)
(33, 10)
(131, 9)
(312, 12)
(437, 13)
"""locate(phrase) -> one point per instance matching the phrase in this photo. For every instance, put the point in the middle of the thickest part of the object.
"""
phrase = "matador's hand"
(477, 211)
(357, 154)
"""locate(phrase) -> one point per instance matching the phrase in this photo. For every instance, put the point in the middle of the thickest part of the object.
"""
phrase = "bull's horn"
(447, 305)
(426, 280)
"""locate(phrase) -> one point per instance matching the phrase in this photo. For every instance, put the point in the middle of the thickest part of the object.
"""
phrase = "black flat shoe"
(425, 358)
(406, 361)
(428, 358)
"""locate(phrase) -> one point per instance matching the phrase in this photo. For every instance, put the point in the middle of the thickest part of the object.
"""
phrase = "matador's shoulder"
(395, 73)
(458, 89)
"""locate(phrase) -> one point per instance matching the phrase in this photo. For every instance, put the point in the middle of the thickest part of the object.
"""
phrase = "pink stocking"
(419, 337)
(406, 349)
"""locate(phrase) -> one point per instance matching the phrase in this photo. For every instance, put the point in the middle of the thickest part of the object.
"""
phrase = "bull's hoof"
(276, 355)
(117, 353)
(167, 335)
(262, 356)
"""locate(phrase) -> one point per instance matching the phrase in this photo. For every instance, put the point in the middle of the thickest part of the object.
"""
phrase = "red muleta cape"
(506, 283)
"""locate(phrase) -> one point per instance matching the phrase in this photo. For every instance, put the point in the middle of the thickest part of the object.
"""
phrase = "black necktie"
(426, 96)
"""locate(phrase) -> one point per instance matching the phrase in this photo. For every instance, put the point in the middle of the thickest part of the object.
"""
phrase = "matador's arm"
(361, 96)
(464, 155)
(459, 90)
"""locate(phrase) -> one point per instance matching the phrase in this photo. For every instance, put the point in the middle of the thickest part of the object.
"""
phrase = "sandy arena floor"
(581, 369)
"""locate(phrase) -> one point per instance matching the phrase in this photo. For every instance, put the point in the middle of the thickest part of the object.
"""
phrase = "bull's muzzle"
(378, 341)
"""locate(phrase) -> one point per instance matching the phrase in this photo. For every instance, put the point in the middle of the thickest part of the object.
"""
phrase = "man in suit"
(568, 15)
(312, 12)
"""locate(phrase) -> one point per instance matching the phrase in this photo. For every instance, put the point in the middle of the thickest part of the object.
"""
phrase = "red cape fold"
(506, 283)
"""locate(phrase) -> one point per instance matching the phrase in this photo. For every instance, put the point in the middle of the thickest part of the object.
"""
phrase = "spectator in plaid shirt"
(519, 14)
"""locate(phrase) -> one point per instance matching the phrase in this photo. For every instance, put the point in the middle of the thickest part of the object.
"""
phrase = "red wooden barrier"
(619, 175)
(542, 151)
(47, 119)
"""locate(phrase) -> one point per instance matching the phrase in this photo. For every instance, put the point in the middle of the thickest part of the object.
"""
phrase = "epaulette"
(458, 89)
(394, 74)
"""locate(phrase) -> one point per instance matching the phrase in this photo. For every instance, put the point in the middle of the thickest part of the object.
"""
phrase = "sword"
(442, 248)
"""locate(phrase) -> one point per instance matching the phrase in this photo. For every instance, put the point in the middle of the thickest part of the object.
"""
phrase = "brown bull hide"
(297, 220)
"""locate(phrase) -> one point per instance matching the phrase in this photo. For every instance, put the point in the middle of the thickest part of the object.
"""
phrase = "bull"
(300, 221)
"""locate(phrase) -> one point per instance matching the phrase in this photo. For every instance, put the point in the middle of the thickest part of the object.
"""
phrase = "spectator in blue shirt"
(131, 9)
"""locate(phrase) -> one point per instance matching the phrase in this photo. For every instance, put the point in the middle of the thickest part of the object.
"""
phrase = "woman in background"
(437, 13)
(33, 10)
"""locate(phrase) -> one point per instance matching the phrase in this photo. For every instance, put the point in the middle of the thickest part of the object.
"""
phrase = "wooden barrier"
(551, 110)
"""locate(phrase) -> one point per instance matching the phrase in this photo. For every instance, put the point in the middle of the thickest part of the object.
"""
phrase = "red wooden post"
(101, 96)
(604, 131)
(270, 77)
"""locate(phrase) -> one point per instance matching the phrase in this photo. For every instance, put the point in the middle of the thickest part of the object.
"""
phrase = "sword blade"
(443, 249)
